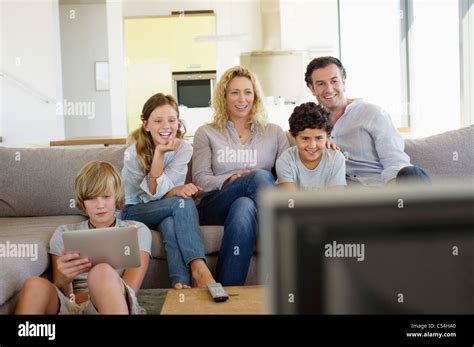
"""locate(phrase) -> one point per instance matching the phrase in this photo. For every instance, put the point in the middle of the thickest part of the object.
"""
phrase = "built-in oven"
(193, 89)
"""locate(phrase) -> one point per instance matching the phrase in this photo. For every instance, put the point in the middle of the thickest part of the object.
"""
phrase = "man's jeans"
(235, 207)
(178, 221)
(412, 174)
(407, 174)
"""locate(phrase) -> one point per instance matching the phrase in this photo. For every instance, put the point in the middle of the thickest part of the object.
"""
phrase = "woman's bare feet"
(201, 274)
(181, 286)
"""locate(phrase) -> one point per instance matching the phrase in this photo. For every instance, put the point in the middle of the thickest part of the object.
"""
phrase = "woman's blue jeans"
(235, 207)
(178, 221)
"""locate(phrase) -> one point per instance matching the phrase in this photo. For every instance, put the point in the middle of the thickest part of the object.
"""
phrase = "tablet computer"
(117, 247)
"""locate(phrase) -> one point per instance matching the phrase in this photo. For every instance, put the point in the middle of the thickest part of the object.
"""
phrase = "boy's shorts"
(66, 306)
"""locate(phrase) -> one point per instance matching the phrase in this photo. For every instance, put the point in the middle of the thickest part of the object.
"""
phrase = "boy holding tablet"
(77, 286)
(310, 165)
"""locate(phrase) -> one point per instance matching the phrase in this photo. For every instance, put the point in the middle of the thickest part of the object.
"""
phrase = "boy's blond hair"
(98, 178)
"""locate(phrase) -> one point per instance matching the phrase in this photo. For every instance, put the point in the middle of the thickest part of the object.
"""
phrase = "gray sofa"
(36, 195)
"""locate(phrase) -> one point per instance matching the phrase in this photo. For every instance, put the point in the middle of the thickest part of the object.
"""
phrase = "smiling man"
(373, 148)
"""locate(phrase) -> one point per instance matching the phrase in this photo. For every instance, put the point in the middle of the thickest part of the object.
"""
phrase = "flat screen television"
(401, 250)
(193, 89)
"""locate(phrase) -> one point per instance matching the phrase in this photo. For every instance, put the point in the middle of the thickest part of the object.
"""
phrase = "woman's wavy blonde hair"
(258, 115)
(143, 139)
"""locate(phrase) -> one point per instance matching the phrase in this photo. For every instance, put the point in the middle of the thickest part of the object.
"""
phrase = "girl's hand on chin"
(171, 146)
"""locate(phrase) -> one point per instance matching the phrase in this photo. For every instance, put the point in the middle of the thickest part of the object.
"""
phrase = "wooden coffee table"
(242, 300)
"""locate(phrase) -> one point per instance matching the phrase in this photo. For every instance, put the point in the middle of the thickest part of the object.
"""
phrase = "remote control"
(217, 292)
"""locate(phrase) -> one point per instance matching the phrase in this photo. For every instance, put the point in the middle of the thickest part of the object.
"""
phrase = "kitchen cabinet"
(158, 46)
(187, 53)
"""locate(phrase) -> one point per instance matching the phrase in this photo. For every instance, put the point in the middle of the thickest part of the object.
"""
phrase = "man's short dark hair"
(309, 115)
(321, 63)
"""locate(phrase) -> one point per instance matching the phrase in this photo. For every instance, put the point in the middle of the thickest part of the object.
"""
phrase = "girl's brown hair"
(143, 139)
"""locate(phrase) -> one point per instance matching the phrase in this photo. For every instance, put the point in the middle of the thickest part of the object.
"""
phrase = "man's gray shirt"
(373, 148)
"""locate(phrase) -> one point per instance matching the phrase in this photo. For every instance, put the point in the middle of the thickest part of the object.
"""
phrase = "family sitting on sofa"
(339, 141)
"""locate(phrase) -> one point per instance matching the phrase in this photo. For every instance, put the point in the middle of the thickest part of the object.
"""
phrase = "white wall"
(237, 17)
(309, 25)
(30, 53)
(83, 42)
(118, 94)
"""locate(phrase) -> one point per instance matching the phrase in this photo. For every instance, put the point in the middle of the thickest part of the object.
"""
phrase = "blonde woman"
(154, 172)
(233, 158)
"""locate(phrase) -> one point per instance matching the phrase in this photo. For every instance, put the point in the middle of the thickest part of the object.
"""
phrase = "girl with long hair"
(154, 173)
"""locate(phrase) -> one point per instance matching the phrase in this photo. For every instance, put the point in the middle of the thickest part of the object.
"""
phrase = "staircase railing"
(24, 85)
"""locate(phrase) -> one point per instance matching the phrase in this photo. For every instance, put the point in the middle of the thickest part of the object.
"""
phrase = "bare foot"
(201, 274)
(181, 286)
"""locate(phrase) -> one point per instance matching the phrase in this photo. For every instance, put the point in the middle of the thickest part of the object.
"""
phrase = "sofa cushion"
(10, 226)
(446, 155)
(40, 181)
(34, 231)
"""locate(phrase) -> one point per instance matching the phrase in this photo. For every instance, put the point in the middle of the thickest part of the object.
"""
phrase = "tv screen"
(194, 93)
(405, 250)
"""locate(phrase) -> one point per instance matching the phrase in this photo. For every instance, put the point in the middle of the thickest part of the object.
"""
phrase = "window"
(434, 67)
(370, 34)
(404, 55)
(467, 56)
